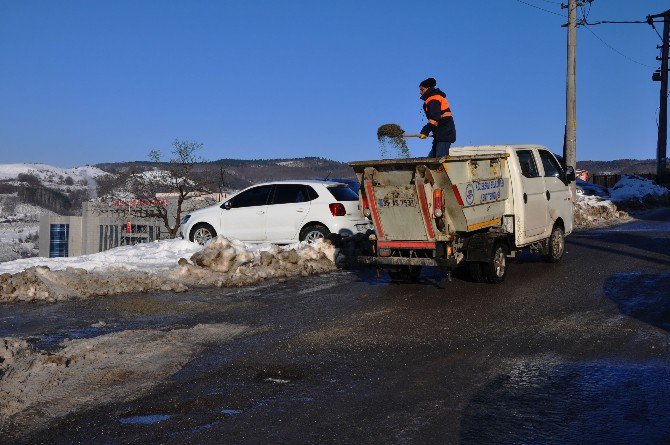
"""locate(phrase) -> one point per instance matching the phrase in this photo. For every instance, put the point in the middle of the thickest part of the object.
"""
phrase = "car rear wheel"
(201, 233)
(556, 245)
(314, 232)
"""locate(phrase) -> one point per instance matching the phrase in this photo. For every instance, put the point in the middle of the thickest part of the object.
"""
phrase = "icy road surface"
(571, 352)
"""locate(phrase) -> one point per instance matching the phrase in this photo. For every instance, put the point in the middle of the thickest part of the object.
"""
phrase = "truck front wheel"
(556, 245)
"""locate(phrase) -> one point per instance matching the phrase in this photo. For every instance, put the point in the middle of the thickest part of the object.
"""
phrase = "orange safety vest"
(444, 107)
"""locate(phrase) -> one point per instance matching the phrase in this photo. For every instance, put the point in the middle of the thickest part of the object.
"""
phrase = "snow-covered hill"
(49, 173)
(54, 177)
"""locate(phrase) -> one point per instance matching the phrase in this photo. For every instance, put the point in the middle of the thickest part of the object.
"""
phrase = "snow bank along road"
(160, 266)
(576, 351)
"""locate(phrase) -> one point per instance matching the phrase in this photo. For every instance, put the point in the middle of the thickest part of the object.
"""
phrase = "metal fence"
(610, 180)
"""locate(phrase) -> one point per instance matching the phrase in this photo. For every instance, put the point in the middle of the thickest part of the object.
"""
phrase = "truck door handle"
(260, 212)
(548, 195)
(525, 198)
(300, 210)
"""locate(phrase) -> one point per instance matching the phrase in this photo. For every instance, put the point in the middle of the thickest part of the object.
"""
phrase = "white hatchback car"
(280, 212)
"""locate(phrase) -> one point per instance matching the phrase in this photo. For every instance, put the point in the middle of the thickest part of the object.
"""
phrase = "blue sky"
(83, 82)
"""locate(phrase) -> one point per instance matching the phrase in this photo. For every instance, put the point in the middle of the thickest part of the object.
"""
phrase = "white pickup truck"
(477, 207)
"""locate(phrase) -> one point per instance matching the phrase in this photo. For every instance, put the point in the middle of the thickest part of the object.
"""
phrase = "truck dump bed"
(431, 199)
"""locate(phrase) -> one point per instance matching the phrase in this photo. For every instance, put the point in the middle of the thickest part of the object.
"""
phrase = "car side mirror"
(227, 205)
(570, 174)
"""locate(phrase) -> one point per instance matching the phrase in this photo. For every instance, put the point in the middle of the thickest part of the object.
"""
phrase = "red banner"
(140, 203)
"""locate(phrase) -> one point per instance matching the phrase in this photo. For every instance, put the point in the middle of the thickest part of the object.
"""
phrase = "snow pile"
(593, 211)
(154, 267)
(37, 387)
(149, 257)
(225, 262)
(638, 190)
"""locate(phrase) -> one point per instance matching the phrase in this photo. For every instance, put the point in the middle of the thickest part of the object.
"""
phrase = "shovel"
(410, 135)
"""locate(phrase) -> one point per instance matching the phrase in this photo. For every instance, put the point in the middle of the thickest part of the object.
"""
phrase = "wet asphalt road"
(575, 352)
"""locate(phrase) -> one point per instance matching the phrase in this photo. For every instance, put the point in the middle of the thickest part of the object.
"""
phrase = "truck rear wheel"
(556, 245)
(476, 271)
(496, 269)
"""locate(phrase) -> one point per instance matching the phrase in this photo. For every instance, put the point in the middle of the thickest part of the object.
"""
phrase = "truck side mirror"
(570, 174)
(227, 205)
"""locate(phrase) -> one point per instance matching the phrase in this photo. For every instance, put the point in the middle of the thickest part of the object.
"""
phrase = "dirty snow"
(37, 387)
(593, 211)
(638, 189)
(160, 266)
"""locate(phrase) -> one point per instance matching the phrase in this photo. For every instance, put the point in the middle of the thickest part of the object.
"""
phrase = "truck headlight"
(185, 219)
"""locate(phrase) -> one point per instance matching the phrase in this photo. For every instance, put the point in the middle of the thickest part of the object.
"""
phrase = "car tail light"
(458, 195)
(337, 209)
(438, 203)
(365, 211)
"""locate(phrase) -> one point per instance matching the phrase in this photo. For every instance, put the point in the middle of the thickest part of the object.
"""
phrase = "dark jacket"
(438, 113)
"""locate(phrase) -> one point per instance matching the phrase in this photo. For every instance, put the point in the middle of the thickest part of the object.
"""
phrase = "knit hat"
(428, 83)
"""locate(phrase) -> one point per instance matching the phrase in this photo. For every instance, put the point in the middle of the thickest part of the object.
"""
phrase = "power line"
(541, 9)
(614, 22)
(617, 51)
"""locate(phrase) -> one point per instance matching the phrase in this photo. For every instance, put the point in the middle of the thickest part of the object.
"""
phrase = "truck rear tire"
(496, 269)
(556, 246)
(476, 271)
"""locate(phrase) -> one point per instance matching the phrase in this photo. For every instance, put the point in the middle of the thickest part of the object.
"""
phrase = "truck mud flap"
(398, 261)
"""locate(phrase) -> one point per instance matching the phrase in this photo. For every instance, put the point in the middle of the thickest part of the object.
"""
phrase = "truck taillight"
(366, 207)
(337, 209)
(438, 203)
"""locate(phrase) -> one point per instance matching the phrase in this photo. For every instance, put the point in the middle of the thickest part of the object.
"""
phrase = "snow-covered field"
(19, 228)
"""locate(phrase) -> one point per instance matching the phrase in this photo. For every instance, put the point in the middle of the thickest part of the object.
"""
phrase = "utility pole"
(662, 144)
(570, 145)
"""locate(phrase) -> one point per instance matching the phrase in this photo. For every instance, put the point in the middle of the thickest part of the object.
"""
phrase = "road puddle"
(572, 403)
(645, 297)
(144, 420)
(52, 341)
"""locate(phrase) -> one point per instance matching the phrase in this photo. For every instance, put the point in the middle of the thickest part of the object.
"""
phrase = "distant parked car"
(588, 189)
(280, 212)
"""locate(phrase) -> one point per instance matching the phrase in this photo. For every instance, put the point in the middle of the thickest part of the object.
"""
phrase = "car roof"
(305, 182)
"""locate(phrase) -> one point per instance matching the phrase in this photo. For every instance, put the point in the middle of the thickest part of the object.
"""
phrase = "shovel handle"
(410, 135)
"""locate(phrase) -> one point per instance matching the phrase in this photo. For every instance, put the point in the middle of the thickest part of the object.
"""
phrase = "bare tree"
(176, 177)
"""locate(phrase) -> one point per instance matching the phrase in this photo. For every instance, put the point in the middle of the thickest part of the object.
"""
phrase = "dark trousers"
(439, 149)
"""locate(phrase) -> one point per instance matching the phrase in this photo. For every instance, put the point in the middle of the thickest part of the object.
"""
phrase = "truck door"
(534, 207)
(557, 191)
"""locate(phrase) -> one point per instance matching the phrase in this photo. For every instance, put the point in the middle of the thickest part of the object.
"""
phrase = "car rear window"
(343, 193)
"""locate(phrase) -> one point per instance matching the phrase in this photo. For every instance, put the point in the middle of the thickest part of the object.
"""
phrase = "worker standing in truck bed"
(440, 118)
